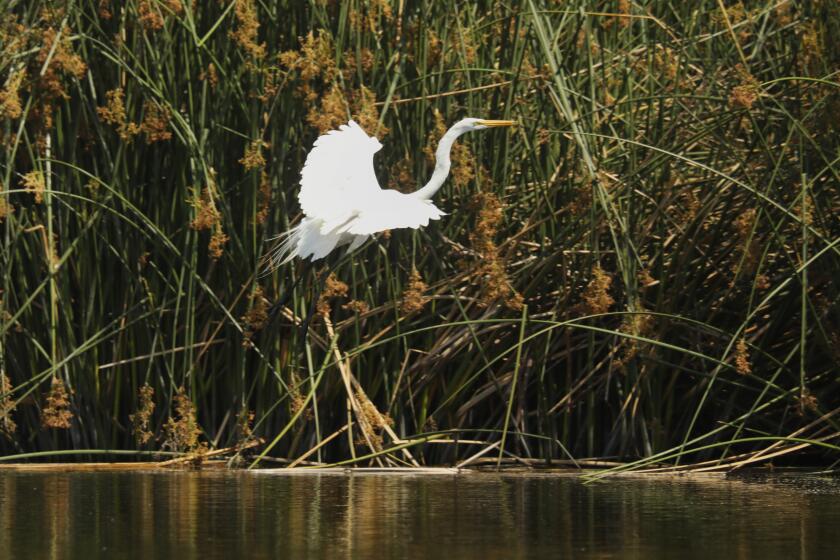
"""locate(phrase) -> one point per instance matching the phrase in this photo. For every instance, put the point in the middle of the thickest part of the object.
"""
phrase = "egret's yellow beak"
(491, 124)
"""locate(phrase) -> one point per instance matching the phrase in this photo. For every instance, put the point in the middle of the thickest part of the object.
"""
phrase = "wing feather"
(338, 175)
(391, 210)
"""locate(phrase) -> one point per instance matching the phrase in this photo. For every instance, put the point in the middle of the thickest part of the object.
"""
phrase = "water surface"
(234, 515)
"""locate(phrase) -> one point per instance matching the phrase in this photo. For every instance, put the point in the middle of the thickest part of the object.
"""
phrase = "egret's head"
(480, 124)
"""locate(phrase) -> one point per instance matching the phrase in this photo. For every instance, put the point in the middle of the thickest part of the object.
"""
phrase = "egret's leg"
(272, 311)
(320, 282)
(312, 306)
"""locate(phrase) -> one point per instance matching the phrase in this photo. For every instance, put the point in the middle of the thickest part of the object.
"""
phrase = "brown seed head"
(264, 198)
(356, 306)
(63, 62)
(490, 269)
(182, 431)
(371, 421)
(155, 123)
(596, 297)
(245, 425)
(114, 114)
(212, 76)
(745, 94)
(216, 246)
(414, 297)
(253, 157)
(6, 207)
(207, 216)
(10, 107)
(34, 182)
(366, 114)
(56, 413)
(256, 318)
(742, 357)
(141, 420)
(247, 29)
(401, 176)
(331, 113)
(314, 60)
(333, 287)
(7, 406)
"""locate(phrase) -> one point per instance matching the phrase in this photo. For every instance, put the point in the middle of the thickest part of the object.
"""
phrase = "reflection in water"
(235, 515)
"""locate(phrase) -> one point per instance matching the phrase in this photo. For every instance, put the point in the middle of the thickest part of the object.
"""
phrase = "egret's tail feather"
(305, 240)
(284, 249)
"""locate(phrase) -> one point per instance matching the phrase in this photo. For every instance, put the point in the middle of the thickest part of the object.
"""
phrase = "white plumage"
(342, 201)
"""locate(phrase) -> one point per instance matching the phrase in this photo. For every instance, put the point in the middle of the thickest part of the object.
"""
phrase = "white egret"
(342, 201)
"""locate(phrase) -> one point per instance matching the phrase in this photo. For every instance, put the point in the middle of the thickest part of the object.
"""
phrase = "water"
(235, 515)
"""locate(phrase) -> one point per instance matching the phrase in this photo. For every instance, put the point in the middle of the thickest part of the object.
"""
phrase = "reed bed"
(643, 273)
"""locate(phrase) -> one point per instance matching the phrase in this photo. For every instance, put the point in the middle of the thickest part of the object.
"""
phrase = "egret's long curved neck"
(442, 162)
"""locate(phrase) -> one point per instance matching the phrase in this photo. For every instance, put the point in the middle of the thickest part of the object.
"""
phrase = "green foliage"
(644, 269)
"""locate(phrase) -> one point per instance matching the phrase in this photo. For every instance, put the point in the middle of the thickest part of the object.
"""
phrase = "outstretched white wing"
(340, 191)
(338, 175)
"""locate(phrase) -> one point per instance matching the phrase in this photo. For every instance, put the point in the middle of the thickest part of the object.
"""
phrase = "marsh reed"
(643, 271)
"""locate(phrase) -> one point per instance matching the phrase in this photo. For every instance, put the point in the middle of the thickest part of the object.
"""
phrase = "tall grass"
(644, 270)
